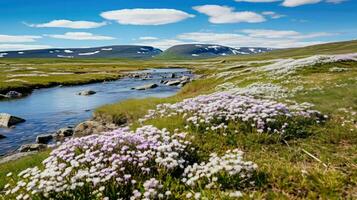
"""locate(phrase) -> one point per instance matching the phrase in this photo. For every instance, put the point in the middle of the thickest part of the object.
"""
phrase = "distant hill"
(119, 51)
(209, 50)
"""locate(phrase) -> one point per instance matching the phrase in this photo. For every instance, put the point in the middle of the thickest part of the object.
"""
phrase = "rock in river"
(2, 137)
(146, 87)
(7, 120)
(86, 93)
(13, 94)
(32, 147)
(173, 83)
(44, 139)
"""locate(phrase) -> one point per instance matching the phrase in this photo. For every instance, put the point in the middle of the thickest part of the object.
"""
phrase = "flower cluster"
(121, 161)
(217, 110)
(229, 171)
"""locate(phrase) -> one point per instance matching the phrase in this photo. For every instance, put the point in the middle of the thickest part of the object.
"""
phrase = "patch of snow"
(88, 53)
(62, 56)
(20, 52)
(223, 54)
(195, 55)
(3, 55)
(68, 51)
(51, 51)
(107, 49)
(144, 49)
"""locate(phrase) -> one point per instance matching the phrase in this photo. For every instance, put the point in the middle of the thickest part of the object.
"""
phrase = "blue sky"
(28, 24)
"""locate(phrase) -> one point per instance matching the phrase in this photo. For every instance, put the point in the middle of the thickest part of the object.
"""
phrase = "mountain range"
(135, 51)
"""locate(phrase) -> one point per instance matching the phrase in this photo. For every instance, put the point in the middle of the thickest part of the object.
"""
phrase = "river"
(47, 110)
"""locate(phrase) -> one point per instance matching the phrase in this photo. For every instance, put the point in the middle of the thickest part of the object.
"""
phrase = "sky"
(36, 24)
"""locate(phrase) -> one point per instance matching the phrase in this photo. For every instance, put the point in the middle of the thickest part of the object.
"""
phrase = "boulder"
(173, 75)
(92, 127)
(13, 94)
(32, 147)
(2, 137)
(86, 93)
(44, 139)
(173, 83)
(146, 87)
(7, 120)
(63, 133)
(185, 78)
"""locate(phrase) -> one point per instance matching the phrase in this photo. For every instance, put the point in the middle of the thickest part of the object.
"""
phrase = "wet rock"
(7, 120)
(146, 87)
(173, 83)
(92, 127)
(86, 93)
(2, 137)
(44, 139)
(185, 78)
(13, 94)
(62, 133)
(32, 147)
(173, 75)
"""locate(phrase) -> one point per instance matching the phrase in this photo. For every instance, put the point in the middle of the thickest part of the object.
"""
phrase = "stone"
(7, 120)
(44, 139)
(92, 127)
(87, 93)
(185, 78)
(2, 137)
(173, 75)
(173, 83)
(32, 147)
(13, 94)
(65, 132)
(146, 87)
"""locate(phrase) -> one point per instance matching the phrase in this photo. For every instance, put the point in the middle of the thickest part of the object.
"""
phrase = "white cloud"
(294, 3)
(14, 47)
(141, 16)
(80, 36)
(148, 38)
(257, 1)
(18, 38)
(162, 44)
(224, 14)
(254, 38)
(62, 23)
(273, 15)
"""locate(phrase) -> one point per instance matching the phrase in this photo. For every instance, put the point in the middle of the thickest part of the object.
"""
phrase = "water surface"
(47, 110)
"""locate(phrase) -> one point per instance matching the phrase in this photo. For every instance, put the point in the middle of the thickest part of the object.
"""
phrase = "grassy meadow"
(321, 164)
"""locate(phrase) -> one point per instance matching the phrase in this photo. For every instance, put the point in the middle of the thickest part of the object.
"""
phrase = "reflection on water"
(47, 110)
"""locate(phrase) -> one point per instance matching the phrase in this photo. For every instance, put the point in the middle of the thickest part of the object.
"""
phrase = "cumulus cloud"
(161, 43)
(18, 38)
(245, 38)
(294, 3)
(80, 36)
(13, 47)
(148, 38)
(141, 16)
(224, 14)
(63, 23)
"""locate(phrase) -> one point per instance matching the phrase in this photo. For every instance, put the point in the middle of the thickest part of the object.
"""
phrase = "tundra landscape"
(204, 119)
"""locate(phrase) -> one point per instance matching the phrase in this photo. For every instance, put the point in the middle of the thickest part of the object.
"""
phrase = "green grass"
(17, 166)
